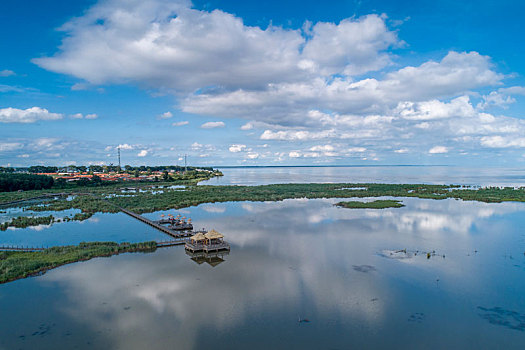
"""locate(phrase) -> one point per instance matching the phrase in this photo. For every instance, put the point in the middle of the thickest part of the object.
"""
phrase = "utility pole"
(118, 148)
(185, 163)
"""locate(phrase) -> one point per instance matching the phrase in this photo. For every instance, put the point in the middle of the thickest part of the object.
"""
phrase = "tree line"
(13, 182)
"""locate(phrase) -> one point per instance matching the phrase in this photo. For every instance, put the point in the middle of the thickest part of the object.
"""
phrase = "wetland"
(443, 271)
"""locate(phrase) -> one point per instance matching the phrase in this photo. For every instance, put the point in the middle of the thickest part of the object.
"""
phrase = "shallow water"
(100, 227)
(380, 174)
(290, 261)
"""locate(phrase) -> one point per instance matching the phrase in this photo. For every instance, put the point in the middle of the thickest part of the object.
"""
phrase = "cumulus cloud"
(212, 125)
(126, 146)
(237, 148)
(9, 146)
(499, 141)
(438, 150)
(142, 153)
(166, 115)
(434, 109)
(181, 123)
(306, 88)
(168, 45)
(30, 115)
(6, 73)
(289, 102)
(81, 116)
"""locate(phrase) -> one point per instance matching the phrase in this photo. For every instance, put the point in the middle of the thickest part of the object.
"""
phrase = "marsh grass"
(16, 265)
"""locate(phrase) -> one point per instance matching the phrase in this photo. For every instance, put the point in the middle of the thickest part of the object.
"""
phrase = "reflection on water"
(100, 227)
(366, 174)
(291, 261)
(212, 258)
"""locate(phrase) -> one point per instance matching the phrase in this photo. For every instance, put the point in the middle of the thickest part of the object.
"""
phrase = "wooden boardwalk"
(162, 244)
(159, 227)
(180, 238)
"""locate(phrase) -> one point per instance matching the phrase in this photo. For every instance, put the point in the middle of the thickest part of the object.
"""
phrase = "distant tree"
(96, 180)
(96, 168)
(13, 182)
(60, 182)
(83, 182)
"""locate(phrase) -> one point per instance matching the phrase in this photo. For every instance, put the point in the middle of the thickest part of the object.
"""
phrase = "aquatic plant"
(26, 221)
(16, 265)
(378, 204)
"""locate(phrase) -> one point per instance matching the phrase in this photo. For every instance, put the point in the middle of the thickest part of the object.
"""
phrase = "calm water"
(291, 260)
(100, 227)
(381, 174)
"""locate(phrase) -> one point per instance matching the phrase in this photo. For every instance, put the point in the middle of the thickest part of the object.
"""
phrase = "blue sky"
(262, 83)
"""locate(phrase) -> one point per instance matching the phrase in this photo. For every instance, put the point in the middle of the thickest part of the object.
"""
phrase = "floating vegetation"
(403, 254)
(16, 264)
(364, 268)
(417, 317)
(378, 204)
(396, 254)
(78, 217)
(26, 221)
(502, 317)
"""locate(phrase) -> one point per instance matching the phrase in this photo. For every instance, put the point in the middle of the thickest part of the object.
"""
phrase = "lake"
(301, 274)
(380, 174)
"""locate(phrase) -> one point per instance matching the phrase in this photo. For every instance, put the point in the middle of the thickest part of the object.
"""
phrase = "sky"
(283, 82)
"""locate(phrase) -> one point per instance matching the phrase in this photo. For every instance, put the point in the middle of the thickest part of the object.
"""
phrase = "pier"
(154, 224)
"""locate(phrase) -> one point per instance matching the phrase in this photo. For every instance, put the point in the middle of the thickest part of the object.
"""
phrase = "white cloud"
(166, 115)
(438, 150)
(247, 126)
(296, 135)
(434, 109)
(499, 141)
(212, 125)
(10, 146)
(126, 146)
(142, 153)
(287, 103)
(6, 73)
(30, 115)
(81, 116)
(181, 123)
(252, 155)
(356, 149)
(237, 148)
(354, 46)
(325, 148)
(168, 45)
(304, 88)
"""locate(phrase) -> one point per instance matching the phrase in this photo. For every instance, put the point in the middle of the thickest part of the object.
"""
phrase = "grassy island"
(378, 204)
(149, 199)
(16, 265)
(26, 221)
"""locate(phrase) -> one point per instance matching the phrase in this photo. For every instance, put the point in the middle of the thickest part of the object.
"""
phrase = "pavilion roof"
(198, 237)
(213, 234)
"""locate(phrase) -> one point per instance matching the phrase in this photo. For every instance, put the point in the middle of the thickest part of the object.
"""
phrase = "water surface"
(290, 261)
(380, 174)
